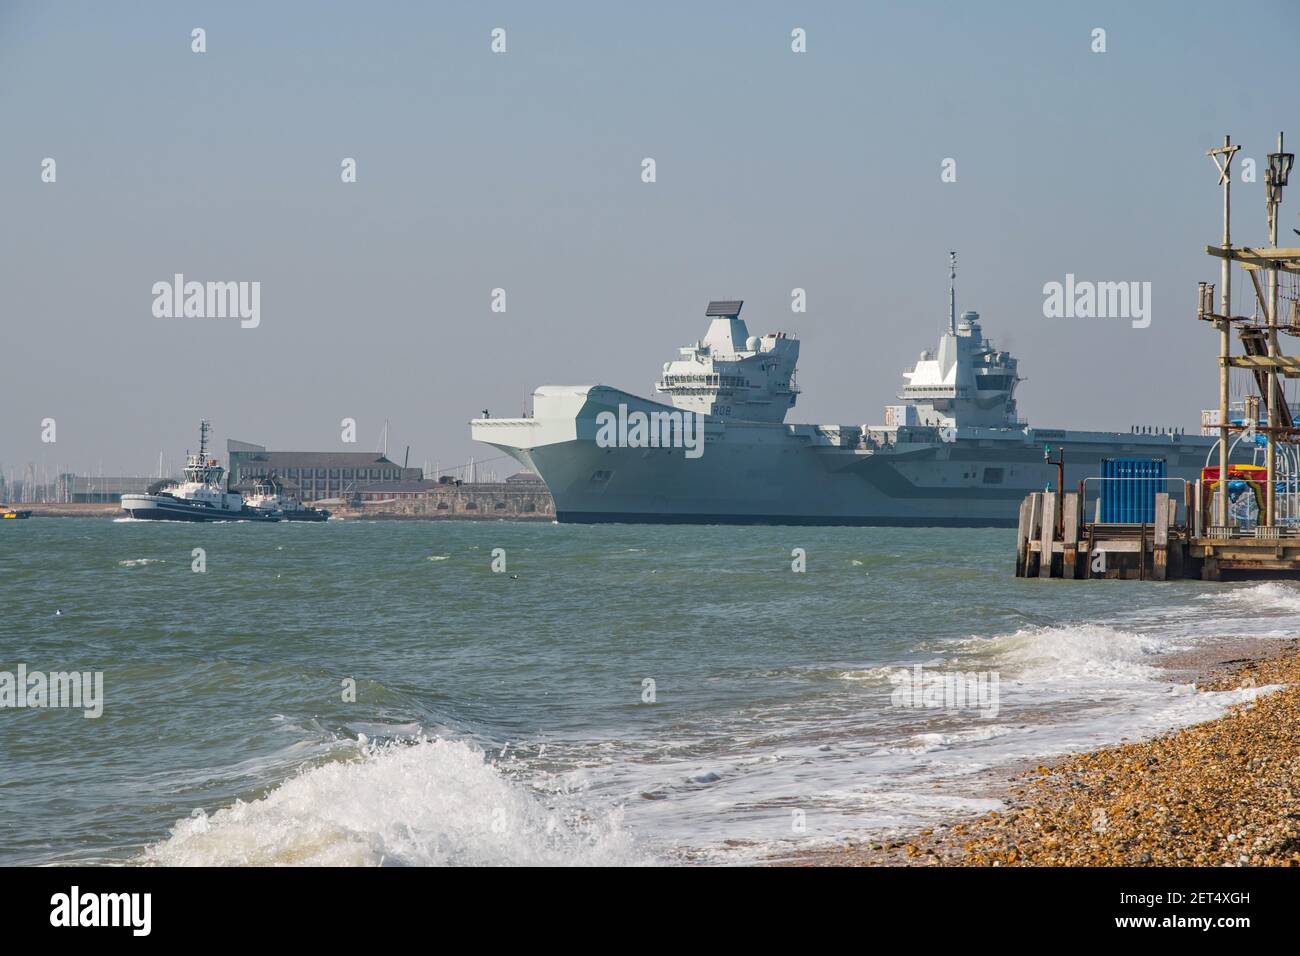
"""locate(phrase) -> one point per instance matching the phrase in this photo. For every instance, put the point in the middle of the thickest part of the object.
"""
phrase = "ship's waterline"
(329, 694)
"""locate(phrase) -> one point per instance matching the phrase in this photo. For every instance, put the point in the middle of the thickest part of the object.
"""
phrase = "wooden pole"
(1022, 538)
(1050, 505)
(1160, 545)
(1070, 536)
(1142, 553)
(1035, 514)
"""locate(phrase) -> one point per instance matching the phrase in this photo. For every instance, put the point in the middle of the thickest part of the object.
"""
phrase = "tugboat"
(269, 496)
(201, 495)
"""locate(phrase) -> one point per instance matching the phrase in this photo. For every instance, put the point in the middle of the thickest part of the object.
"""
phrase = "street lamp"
(1279, 167)
(1275, 177)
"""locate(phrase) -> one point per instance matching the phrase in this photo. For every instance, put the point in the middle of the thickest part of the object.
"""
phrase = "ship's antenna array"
(952, 292)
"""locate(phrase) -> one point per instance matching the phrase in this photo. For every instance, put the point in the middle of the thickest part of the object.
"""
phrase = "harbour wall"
(475, 502)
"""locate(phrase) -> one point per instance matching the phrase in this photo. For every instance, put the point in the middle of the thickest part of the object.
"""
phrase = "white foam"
(431, 802)
(924, 743)
(1186, 709)
(1265, 596)
(139, 562)
(1073, 652)
(871, 675)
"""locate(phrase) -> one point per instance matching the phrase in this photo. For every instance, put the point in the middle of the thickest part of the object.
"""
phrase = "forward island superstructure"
(954, 452)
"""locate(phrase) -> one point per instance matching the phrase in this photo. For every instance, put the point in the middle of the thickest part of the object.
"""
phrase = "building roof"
(392, 487)
(310, 459)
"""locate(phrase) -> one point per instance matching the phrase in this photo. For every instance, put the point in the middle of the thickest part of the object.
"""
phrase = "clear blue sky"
(522, 171)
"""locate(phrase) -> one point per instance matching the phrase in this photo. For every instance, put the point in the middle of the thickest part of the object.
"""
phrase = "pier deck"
(1053, 542)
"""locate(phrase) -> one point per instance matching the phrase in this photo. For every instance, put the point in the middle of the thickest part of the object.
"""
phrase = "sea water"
(402, 693)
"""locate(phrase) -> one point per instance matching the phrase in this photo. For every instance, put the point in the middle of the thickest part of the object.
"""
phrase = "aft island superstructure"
(953, 452)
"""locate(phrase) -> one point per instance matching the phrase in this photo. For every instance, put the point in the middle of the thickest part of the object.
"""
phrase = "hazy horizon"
(477, 170)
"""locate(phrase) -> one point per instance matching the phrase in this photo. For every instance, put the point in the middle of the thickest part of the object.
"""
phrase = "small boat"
(10, 513)
(269, 496)
(200, 496)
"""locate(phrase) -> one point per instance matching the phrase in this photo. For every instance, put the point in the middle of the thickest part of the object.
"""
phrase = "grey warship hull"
(772, 473)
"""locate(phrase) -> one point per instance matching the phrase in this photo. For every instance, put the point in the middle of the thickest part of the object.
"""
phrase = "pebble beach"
(1221, 793)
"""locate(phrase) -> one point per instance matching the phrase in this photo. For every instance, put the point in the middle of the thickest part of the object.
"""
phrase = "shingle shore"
(1222, 793)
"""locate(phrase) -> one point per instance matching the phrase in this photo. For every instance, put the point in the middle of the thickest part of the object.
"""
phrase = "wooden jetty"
(1052, 541)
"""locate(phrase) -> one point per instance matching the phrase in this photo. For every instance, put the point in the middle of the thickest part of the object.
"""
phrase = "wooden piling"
(1035, 515)
(1210, 569)
(1048, 538)
(1070, 536)
(1142, 553)
(1160, 539)
(1176, 549)
(1023, 532)
(1087, 558)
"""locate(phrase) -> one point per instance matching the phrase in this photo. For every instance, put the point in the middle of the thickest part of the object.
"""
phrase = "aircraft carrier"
(954, 452)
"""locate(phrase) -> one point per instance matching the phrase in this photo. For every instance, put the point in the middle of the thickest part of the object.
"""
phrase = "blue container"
(1110, 491)
(1129, 488)
(1107, 513)
(1119, 488)
(1124, 476)
(1145, 506)
(1136, 485)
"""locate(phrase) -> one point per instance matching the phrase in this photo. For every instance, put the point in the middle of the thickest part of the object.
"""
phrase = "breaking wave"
(429, 802)
(1072, 652)
(1270, 596)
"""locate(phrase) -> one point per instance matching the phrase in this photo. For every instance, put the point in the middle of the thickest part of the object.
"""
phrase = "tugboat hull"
(307, 514)
(165, 508)
(301, 514)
